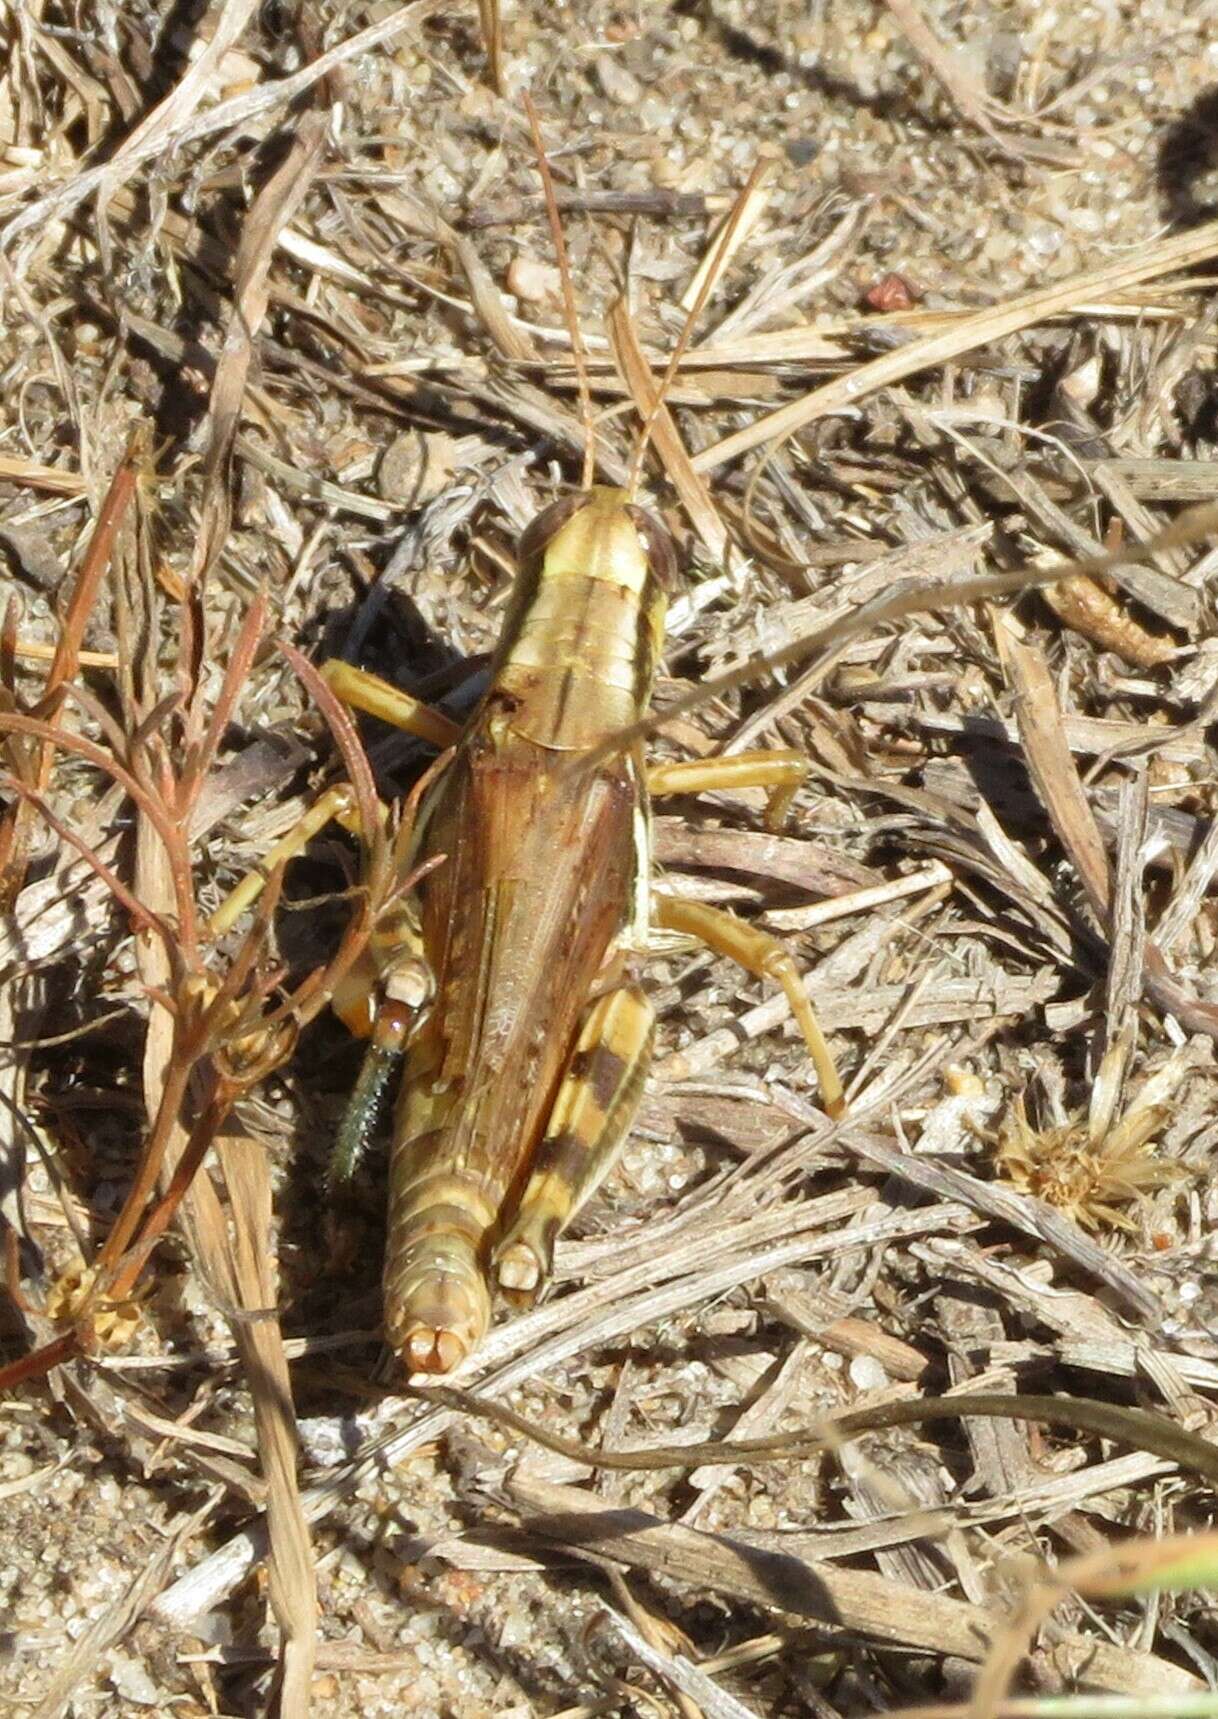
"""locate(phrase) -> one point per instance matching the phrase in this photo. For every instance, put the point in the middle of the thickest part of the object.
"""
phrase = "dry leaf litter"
(999, 879)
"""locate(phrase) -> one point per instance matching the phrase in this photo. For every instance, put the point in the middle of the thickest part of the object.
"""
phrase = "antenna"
(724, 245)
(568, 295)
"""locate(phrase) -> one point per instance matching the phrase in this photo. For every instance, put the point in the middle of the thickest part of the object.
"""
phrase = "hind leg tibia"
(761, 953)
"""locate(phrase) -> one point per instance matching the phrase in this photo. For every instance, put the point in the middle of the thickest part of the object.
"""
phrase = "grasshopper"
(507, 989)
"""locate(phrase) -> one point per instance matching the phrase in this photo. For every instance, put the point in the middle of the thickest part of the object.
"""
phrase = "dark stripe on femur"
(601, 1070)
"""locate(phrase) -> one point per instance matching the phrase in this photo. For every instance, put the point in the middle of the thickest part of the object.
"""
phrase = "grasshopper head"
(599, 533)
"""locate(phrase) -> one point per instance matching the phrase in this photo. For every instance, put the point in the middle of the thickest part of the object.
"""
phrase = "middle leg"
(780, 771)
(376, 697)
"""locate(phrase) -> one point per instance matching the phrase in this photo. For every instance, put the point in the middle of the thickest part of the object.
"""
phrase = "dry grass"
(907, 1412)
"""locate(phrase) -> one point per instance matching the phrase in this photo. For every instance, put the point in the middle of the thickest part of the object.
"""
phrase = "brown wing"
(517, 925)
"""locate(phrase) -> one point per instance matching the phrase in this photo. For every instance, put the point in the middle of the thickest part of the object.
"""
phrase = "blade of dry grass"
(743, 212)
(949, 999)
(1138, 1566)
(734, 232)
(1140, 1428)
(491, 22)
(1034, 1218)
(664, 1279)
(169, 118)
(1181, 911)
(239, 110)
(1047, 753)
(1096, 614)
(787, 283)
(1128, 944)
(966, 92)
(1057, 782)
(856, 1601)
(1146, 263)
(272, 209)
(696, 1693)
(252, 1273)
(487, 300)
(636, 373)
(52, 478)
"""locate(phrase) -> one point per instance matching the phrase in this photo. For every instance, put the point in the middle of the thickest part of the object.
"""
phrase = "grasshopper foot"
(525, 1256)
(520, 1270)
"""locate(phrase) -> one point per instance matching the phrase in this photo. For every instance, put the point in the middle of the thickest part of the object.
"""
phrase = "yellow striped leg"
(761, 953)
(362, 691)
(588, 1125)
(353, 1000)
(781, 771)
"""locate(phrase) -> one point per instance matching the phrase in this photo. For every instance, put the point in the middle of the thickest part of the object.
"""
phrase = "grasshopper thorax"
(586, 625)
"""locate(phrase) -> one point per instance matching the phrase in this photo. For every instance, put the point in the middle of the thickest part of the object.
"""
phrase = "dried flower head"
(75, 1296)
(1091, 1180)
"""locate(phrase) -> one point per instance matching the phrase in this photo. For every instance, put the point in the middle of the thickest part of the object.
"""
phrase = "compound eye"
(661, 550)
(538, 533)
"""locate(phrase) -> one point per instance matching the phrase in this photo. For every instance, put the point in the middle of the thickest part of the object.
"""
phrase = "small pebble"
(800, 151)
(415, 467)
(1043, 239)
(616, 82)
(655, 115)
(890, 293)
(867, 1374)
(533, 282)
(132, 1682)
